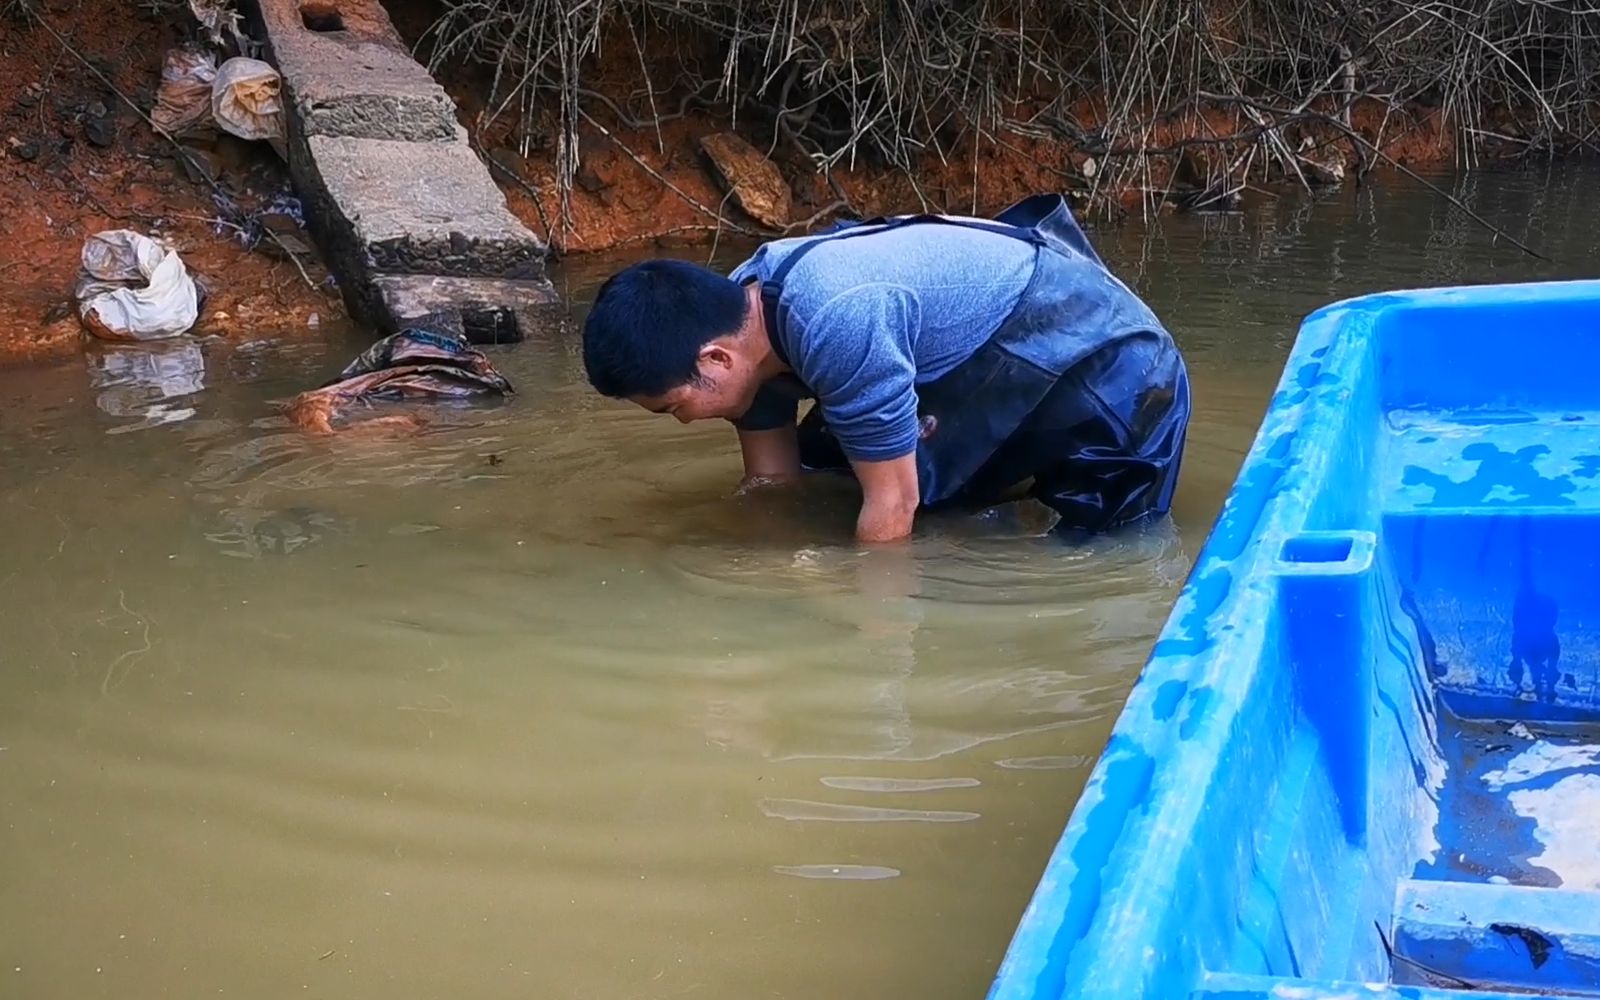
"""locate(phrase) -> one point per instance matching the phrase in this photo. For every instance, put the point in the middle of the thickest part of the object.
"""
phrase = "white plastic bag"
(183, 102)
(134, 288)
(246, 99)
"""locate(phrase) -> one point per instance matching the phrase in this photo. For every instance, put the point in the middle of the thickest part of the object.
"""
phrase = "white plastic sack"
(183, 102)
(246, 99)
(134, 288)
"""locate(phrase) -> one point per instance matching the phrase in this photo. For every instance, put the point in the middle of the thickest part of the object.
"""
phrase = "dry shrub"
(895, 81)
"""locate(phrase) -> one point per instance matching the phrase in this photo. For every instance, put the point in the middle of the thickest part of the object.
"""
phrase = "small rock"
(100, 131)
(23, 150)
(313, 321)
(755, 181)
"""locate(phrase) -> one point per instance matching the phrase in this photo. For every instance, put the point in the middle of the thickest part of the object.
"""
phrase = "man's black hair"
(649, 321)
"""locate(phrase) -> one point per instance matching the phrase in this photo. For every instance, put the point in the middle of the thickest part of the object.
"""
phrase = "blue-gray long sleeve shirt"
(868, 318)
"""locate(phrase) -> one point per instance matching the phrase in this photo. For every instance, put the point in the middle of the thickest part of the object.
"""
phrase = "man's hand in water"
(749, 484)
(889, 498)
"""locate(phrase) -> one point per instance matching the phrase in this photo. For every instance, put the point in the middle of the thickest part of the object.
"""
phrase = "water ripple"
(847, 873)
(833, 812)
(899, 784)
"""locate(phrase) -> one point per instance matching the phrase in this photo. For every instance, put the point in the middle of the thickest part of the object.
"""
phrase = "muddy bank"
(658, 186)
(75, 160)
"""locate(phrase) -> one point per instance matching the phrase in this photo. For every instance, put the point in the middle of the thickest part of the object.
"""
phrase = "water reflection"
(146, 381)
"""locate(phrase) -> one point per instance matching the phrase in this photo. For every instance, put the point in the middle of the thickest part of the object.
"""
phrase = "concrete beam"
(407, 216)
(492, 310)
(422, 208)
(347, 73)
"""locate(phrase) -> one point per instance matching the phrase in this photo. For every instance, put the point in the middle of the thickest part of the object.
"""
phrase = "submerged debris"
(418, 363)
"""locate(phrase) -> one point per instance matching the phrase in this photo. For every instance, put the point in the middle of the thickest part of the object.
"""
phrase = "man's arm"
(770, 456)
(864, 375)
(768, 441)
(889, 498)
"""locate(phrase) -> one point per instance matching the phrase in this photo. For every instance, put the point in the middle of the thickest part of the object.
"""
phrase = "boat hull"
(1363, 757)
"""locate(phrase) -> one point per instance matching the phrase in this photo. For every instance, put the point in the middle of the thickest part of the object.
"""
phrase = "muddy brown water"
(357, 718)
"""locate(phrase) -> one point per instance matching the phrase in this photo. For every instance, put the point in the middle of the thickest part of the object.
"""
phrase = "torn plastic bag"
(221, 22)
(414, 364)
(134, 288)
(183, 102)
(246, 99)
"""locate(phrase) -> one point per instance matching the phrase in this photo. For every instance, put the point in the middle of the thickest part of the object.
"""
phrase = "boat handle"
(1324, 552)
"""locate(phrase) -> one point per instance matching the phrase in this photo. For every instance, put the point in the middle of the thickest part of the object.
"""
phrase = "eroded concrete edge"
(368, 129)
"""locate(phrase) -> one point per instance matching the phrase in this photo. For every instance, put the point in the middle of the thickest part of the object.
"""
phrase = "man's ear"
(717, 356)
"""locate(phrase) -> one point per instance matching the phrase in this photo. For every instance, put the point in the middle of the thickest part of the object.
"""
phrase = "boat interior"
(1436, 795)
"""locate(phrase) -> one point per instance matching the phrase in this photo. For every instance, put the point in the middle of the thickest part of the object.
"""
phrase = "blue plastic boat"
(1363, 758)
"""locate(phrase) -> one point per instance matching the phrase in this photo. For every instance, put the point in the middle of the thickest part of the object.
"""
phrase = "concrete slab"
(421, 208)
(491, 310)
(348, 73)
(407, 217)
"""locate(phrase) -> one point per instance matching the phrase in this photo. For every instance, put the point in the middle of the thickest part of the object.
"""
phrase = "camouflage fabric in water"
(414, 364)
(418, 362)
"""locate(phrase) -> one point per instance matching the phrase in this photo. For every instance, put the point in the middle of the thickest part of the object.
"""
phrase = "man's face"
(725, 388)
